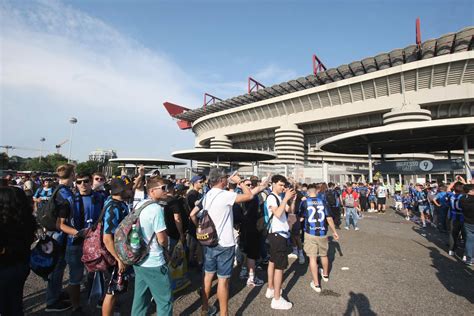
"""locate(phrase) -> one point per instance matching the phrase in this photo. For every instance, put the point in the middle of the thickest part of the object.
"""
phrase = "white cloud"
(58, 62)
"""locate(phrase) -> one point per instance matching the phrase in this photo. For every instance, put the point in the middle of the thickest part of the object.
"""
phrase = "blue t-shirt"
(315, 212)
(420, 197)
(115, 212)
(152, 220)
(443, 199)
(44, 194)
(398, 198)
(455, 211)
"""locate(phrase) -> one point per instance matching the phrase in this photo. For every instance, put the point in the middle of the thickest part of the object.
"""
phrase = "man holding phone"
(277, 237)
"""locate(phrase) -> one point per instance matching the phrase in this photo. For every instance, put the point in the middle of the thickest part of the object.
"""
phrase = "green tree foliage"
(88, 167)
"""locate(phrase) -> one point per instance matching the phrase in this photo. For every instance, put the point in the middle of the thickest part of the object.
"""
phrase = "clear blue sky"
(113, 63)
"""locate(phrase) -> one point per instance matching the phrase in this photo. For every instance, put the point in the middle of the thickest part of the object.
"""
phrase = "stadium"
(427, 84)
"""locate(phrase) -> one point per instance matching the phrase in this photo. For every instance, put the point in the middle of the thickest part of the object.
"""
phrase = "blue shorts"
(219, 259)
(76, 267)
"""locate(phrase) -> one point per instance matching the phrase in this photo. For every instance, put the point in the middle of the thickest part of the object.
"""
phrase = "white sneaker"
(357, 228)
(301, 259)
(292, 255)
(346, 228)
(407, 218)
(451, 253)
(281, 304)
(254, 282)
(464, 258)
(317, 288)
(270, 293)
(325, 278)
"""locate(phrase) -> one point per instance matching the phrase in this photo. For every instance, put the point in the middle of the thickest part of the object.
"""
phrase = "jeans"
(12, 281)
(455, 228)
(76, 267)
(441, 218)
(55, 281)
(469, 229)
(219, 259)
(336, 215)
(152, 282)
(351, 212)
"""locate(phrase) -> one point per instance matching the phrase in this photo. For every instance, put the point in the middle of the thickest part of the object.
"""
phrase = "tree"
(3, 161)
(90, 166)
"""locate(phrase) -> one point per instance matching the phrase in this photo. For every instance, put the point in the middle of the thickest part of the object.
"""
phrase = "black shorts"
(278, 251)
(382, 201)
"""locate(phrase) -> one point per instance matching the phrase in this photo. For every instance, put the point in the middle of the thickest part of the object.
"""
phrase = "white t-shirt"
(219, 203)
(138, 197)
(278, 224)
(381, 191)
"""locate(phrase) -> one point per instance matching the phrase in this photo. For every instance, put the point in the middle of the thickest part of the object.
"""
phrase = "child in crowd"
(407, 205)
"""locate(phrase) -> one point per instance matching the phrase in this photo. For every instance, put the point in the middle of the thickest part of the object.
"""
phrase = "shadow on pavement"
(452, 274)
(358, 305)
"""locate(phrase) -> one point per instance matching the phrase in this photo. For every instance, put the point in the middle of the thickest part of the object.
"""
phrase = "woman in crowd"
(17, 229)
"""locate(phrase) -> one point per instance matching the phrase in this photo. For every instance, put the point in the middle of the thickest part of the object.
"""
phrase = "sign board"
(419, 166)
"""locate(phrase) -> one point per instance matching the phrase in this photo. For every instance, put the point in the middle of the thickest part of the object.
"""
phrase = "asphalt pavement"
(390, 267)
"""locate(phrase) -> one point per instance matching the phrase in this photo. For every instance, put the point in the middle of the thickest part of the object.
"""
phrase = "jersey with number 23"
(315, 212)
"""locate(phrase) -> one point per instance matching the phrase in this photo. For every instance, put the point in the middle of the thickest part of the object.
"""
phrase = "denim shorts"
(76, 267)
(219, 259)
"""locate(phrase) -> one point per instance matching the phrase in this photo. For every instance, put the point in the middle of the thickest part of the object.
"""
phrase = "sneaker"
(407, 218)
(59, 306)
(255, 282)
(317, 288)
(244, 273)
(301, 259)
(464, 258)
(357, 228)
(292, 255)
(325, 278)
(211, 311)
(270, 293)
(346, 228)
(451, 253)
(281, 304)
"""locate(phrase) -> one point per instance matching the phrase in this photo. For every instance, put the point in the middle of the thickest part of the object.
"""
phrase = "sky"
(112, 63)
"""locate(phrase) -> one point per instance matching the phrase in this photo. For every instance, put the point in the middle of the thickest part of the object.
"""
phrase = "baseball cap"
(197, 178)
(117, 186)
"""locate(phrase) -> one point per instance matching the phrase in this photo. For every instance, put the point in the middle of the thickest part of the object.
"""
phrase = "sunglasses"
(248, 184)
(82, 181)
(99, 179)
(162, 187)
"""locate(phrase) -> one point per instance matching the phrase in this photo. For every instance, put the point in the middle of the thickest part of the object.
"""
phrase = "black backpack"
(47, 214)
(331, 198)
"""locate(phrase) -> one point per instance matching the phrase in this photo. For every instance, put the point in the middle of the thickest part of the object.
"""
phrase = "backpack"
(95, 255)
(47, 214)
(44, 256)
(349, 200)
(363, 191)
(264, 222)
(206, 232)
(331, 198)
(122, 239)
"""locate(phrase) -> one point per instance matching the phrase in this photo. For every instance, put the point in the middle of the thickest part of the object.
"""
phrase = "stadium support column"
(467, 165)
(200, 165)
(221, 142)
(289, 145)
(369, 152)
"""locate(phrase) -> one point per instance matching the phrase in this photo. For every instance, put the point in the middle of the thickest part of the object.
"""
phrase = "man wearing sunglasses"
(152, 277)
(75, 222)
(194, 195)
(98, 185)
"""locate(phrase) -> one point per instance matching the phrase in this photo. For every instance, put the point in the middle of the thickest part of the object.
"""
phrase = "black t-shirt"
(191, 199)
(466, 203)
(171, 206)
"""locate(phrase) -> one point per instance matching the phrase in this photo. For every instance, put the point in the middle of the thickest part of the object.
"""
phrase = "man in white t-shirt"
(278, 235)
(382, 192)
(219, 259)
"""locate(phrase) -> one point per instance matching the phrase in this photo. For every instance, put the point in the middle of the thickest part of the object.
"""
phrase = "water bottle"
(135, 240)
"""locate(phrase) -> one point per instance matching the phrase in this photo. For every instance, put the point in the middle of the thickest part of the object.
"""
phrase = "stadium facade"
(430, 81)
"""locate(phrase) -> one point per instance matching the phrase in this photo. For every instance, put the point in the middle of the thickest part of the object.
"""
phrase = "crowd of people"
(222, 221)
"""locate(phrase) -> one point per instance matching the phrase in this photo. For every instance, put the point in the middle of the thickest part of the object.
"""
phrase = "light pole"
(42, 139)
(73, 121)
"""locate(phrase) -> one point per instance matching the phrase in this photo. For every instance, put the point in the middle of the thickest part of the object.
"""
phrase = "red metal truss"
(173, 110)
(418, 33)
(211, 99)
(254, 85)
(317, 65)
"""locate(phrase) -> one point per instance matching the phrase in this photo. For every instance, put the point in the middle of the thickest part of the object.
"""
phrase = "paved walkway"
(394, 268)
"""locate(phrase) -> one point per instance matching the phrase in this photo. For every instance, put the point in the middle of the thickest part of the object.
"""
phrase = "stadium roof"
(230, 155)
(447, 44)
(148, 161)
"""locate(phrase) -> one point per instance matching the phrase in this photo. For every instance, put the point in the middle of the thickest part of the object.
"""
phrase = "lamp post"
(73, 121)
(42, 139)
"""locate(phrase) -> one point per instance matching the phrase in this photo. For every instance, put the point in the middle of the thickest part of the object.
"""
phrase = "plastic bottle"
(135, 239)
